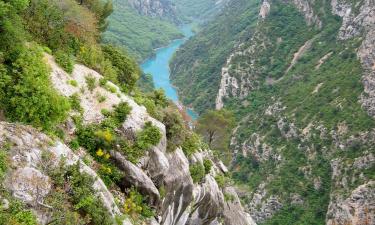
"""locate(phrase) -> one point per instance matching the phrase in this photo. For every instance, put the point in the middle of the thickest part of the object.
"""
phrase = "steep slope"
(191, 10)
(197, 64)
(300, 82)
(138, 29)
(182, 201)
(158, 9)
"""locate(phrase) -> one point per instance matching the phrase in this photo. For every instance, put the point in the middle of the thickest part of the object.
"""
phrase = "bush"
(175, 128)
(75, 102)
(110, 88)
(83, 196)
(65, 61)
(148, 137)
(135, 205)
(90, 82)
(197, 172)
(121, 111)
(191, 144)
(73, 83)
(127, 70)
(26, 93)
(207, 165)
(3, 163)
(221, 180)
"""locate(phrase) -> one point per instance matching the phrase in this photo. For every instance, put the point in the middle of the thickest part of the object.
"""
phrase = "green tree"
(215, 127)
(126, 68)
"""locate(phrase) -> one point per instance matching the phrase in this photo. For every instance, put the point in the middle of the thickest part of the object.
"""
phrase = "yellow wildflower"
(100, 152)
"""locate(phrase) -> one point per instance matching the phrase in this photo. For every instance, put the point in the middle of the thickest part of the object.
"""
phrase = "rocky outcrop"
(28, 181)
(358, 20)
(357, 209)
(233, 211)
(136, 177)
(184, 202)
(264, 9)
(163, 9)
(307, 10)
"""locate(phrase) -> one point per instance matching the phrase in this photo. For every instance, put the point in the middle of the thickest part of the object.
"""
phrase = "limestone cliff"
(163, 9)
(183, 201)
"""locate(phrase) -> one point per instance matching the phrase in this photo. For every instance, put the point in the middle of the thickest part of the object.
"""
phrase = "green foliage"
(83, 196)
(110, 88)
(93, 57)
(75, 102)
(27, 94)
(148, 137)
(207, 166)
(127, 70)
(221, 180)
(175, 128)
(65, 61)
(197, 172)
(25, 218)
(135, 205)
(90, 82)
(191, 144)
(145, 83)
(74, 83)
(139, 34)
(215, 127)
(3, 162)
(198, 83)
(154, 101)
(12, 33)
(121, 111)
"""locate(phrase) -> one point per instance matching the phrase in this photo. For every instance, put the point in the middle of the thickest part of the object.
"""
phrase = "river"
(158, 67)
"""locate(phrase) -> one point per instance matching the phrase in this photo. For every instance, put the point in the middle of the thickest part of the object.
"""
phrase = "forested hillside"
(138, 33)
(298, 77)
(197, 65)
(80, 143)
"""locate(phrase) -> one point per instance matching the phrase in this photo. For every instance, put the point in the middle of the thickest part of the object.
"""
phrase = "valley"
(187, 112)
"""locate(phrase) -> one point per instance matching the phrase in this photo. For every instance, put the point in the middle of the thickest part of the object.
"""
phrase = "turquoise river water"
(158, 67)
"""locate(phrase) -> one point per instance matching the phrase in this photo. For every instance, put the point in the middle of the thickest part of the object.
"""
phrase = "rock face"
(164, 9)
(357, 209)
(183, 202)
(27, 180)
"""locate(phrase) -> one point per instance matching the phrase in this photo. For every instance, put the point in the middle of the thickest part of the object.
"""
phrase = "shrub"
(207, 165)
(75, 102)
(83, 196)
(110, 88)
(65, 61)
(175, 128)
(25, 217)
(191, 144)
(135, 205)
(121, 111)
(90, 82)
(74, 144)
(3, 163)
(148, 137)
(110, 174)
(26, 93)
(73, 83)
(101, 98)
(197, 172)
(127, 69)
(221, 180)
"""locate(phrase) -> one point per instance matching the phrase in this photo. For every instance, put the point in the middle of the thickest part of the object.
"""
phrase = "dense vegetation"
(191, 10)
(208, 52)
(139, 34)
(324, 97)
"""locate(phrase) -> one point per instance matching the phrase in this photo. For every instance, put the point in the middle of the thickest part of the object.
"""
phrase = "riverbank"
(158, 67)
